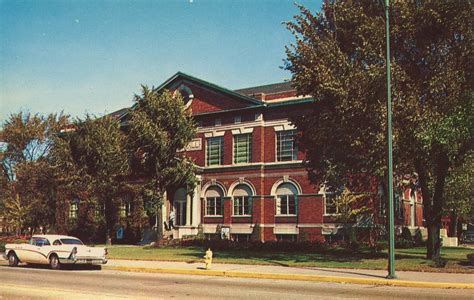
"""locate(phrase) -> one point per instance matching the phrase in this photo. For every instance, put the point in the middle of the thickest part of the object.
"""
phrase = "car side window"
(57, 243)
(40, 242)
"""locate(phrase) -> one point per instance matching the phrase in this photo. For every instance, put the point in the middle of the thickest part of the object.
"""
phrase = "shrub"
(404, 244)
(2, 246)
(200, 234)
(380, 246)
(406, 234)
(256, 233)
(218, 234)
(418, 238)
(353, 244)
(470, 258)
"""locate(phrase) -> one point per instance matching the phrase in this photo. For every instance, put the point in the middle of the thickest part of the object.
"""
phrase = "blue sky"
(92, 56)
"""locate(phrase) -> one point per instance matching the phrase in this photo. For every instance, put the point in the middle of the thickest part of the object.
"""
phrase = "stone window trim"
(242, 148)
(285, 146)
(286, 198)
(215, 151)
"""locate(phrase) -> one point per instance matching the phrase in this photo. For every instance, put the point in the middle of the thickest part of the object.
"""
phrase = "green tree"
(349, 206)
(27, 180)
(159, 127)
(91, 164)
(339, 58)
(460, 193)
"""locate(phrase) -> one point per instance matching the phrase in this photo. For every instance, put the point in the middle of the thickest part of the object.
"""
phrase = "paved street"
(40, 282)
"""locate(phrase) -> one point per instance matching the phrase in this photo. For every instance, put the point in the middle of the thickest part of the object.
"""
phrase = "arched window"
(186, 93)
(286, 199)
(242, 200)
(214, 198)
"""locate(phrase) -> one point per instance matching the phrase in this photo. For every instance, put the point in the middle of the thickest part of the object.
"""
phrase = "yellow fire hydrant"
(208, 258)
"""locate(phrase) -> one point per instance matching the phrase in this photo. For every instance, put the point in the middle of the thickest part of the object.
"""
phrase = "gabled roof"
(244, 95)
(209, 85)
(267, 89)
(119, 113)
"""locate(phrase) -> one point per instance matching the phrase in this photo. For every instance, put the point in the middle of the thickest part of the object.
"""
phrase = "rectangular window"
(330, 207)
(286, 148)
(398, 205)
(286, 205)
(218, 122)
(73, 211)
(286, 237)
(242, 148)
(213, 206)
(99, 210)
(237, 119)
(242, 206)
(125, 209)
(215, 151)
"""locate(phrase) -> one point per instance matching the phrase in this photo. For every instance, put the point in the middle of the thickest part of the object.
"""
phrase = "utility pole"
(391, 230)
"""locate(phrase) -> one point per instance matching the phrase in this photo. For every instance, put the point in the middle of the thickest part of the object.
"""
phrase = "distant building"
(250, 170)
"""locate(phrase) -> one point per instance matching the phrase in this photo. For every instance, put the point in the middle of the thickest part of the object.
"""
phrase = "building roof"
(181, 75)
(245, 94)
(267, 89)
(119, 113)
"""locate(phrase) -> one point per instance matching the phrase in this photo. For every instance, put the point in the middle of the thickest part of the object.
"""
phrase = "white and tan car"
(54, 250)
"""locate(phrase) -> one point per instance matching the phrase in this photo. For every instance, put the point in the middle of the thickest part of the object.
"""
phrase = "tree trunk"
(435, 207)
(159, 225)
(434, 241)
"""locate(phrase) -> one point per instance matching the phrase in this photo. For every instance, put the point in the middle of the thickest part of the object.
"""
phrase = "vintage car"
(54, 250)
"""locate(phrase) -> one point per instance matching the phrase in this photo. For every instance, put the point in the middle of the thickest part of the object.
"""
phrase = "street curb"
(298, 277)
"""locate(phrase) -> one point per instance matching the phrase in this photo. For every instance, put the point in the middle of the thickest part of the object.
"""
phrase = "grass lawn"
(406, 259)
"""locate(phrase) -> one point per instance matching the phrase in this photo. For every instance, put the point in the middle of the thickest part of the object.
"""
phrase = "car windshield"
(71, 242)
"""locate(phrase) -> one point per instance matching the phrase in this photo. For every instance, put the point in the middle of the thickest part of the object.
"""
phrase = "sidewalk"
(358, 276)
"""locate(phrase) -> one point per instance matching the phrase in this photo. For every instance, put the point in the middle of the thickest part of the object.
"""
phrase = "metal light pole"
(391, 231)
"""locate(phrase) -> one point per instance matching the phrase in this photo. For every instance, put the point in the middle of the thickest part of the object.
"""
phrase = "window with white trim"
(286, 199)
(242, 148)
(242, 200)
(215, 151)
(73, 209)
(214, 200)
(125, 209)
(285, 145)
(330, 207)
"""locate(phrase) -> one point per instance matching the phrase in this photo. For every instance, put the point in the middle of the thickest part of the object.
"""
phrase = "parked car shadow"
(63, 267)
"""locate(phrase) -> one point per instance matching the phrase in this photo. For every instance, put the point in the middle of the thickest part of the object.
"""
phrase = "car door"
(37, 250)
(43, 251)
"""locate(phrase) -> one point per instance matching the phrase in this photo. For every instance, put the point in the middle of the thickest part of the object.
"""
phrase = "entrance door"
(179, 203)
(180, 207)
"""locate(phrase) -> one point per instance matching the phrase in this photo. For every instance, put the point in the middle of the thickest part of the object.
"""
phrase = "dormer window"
(218, 122)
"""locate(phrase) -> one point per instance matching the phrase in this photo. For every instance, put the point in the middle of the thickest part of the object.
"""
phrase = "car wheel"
(54, 262)
(12, 259)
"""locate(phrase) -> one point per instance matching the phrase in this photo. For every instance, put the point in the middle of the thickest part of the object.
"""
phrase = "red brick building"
(250, 170)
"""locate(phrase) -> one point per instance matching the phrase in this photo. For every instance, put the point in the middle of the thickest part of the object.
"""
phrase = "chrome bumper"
(83, 261)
